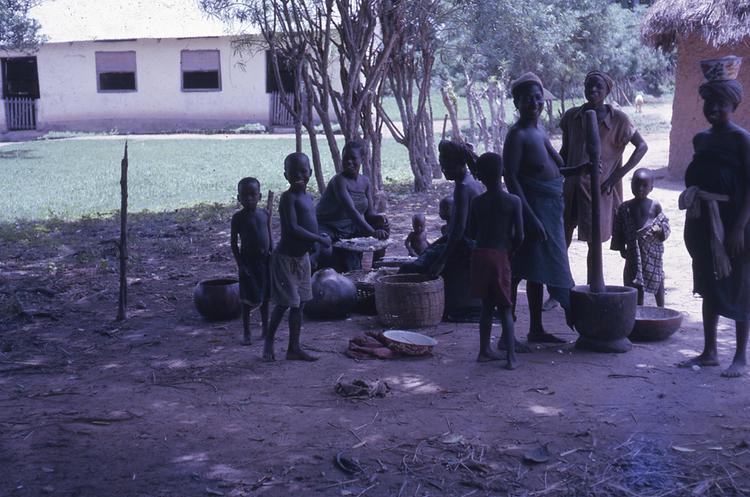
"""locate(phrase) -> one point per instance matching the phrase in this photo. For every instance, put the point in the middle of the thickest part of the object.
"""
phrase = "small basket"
(409, 300)
(365, 302)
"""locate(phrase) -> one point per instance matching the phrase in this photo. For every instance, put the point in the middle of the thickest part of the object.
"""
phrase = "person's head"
(418, 223)
(297, 171)
(490, 169)
(642, 183)
(352, 157)
(596, 86)
(445, 207)
(454, 157)
(528, 95)
(248, 193)
(720, 100)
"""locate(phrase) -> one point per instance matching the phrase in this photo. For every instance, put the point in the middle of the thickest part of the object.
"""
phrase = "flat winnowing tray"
(362, 244)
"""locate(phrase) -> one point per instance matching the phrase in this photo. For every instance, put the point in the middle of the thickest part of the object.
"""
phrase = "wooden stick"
(593, 147)
(123, 245)
(269, 208)
(445, 123)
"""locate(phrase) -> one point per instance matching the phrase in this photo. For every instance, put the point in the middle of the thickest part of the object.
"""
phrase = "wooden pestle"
(593, 148)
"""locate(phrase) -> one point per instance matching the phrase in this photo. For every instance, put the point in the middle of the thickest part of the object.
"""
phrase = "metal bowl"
(409, 343)
(653, 324)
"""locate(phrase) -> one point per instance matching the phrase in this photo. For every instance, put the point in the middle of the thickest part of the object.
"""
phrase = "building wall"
(69, 99)
(687, 108)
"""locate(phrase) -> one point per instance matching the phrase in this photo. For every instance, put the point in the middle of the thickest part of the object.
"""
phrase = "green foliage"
(17, 30)
(560, 40)
(73, 178)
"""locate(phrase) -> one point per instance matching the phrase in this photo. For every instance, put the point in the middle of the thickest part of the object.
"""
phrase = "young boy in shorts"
(290, 262)
(496, 224)
(250, 226)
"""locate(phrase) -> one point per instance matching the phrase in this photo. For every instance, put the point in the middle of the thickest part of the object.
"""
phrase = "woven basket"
(409, 300)
(365, 303)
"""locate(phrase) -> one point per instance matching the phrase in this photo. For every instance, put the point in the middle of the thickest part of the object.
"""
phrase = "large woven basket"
(409, 300)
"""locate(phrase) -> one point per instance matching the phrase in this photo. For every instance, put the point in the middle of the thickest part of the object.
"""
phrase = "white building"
(137, 66)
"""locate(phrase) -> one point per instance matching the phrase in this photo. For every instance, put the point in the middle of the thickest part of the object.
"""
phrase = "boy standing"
(496, 224)
(250, 225)
(290, 262)
(639, 232)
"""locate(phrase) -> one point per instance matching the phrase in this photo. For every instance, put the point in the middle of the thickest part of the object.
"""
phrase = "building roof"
(718, 22)
(85, 20)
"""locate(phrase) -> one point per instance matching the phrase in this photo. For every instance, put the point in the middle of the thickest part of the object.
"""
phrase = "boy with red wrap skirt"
(496, 224)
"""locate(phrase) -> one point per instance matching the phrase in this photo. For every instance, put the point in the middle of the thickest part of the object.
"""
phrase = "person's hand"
(609, 184)
(536, 230)
(246, 270)
(380, 234)
(325, 240)
(736, 241)
(436, 268)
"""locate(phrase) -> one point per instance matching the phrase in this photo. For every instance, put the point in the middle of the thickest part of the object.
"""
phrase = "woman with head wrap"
(615, 132)
(457, 161)
(717, 200)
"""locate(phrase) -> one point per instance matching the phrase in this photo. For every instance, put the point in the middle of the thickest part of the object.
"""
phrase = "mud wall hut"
(699, 29)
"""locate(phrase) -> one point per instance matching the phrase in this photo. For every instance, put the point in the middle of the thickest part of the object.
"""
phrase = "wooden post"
(593, 147)
(269, 208)
(123, 300)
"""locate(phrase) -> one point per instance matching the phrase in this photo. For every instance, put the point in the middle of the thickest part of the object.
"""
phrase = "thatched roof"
(718, 22)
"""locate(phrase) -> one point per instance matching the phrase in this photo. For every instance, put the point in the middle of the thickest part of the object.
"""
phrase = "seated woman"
(345, 210)
(449, 256)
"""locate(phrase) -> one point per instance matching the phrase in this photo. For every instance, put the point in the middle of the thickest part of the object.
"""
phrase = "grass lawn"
(74, 178)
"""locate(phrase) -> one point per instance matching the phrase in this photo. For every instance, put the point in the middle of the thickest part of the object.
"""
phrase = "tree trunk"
(470, 107)
(437, 173)
(449, 99)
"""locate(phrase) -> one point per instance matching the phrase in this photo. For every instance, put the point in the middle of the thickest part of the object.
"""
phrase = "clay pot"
(218, 299)
(604, 320)
(334, 295)
(653, 324)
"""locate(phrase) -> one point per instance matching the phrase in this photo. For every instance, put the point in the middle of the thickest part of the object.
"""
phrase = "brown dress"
(615, 131)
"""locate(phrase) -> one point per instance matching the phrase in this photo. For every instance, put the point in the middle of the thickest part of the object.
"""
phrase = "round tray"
(409, 343)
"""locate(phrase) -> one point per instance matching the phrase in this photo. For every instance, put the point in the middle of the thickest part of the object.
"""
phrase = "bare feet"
(511, 364)
(299, 355)
(735, 370)
(543, 337)
(268, 355)
(488, 355)
(703, 360)
(521, 348)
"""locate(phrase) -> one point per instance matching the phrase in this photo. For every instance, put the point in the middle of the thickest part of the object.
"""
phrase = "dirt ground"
(167, 404)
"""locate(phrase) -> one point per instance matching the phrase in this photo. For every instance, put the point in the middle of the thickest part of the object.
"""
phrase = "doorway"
(20, 91)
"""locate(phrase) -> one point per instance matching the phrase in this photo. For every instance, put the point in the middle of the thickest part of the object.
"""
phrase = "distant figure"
(496, 224)
(639, 103)
(717, 200)
(290, 263)
(445, 208)
(639, 233)
(250, 226)
(416, 241)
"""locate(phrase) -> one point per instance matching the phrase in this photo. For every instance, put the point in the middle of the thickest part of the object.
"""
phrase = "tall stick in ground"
(123, 245)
